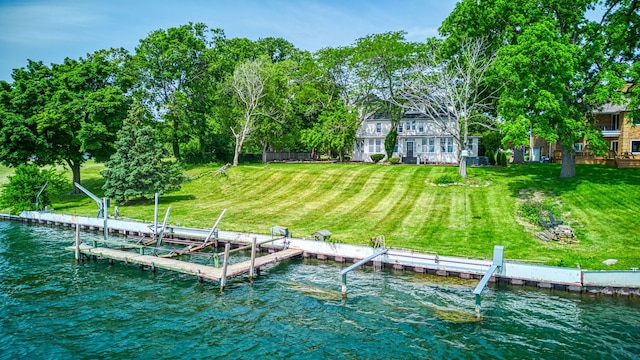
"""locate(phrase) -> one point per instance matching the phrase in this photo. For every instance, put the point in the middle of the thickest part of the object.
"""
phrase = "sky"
(52, 30)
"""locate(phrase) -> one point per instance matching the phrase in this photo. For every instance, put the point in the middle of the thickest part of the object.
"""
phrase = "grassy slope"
(356, 202)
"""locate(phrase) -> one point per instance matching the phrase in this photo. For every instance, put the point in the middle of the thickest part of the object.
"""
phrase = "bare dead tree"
(248, 86)
(454, 93)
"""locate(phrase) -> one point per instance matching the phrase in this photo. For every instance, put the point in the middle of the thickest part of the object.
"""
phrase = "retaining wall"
(571, 279)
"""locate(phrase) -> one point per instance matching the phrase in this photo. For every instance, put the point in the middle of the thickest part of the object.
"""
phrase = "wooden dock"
(201, 271)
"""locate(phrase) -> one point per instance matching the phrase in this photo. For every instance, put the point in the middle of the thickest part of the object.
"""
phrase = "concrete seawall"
(625, 283)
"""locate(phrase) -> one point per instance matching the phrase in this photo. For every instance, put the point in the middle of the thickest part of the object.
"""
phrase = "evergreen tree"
(141, 164)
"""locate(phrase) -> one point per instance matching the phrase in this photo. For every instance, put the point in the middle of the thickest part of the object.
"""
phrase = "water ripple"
(52, 308)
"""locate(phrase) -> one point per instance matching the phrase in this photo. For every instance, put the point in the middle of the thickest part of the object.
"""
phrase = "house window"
(577, 146)
(378, 142)
(614, 146)
(400, 127)
(446, 145)
(421, 126)
(378, 127)
(615, 121)
(635, 146)
(432, 145)
(413, 125)
(408, 125)
(370, 146)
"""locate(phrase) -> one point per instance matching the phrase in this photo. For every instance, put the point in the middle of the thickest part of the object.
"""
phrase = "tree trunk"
(235, 155)
(462, 169)
(518, 155)
(75, 169)
(236, 151)
(264, 151)
(568, 168)
(176, 149)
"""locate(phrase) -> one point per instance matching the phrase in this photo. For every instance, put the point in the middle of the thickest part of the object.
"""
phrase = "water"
(52, 308)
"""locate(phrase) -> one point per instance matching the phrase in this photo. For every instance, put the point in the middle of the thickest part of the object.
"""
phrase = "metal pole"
(77, 242)
(164, 226)
(214, 229)
(223, 278)
(95, 198)
(40, 193)
(344, 285)
(106, 217)
(155, 217)
(253, 257)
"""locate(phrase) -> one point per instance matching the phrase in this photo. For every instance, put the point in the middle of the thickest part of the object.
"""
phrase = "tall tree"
(275, 121)
(556, 64)
(453, 93)
(173, 67)
(64, 114)
(381, 61)
(247, 85)
(141, 166)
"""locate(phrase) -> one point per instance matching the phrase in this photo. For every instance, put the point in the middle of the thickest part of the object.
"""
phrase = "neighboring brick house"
(622, 136)
(420, 141)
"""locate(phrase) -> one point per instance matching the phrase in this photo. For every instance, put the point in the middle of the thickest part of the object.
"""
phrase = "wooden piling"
(225, 263)
(253, 257)
(77, 242)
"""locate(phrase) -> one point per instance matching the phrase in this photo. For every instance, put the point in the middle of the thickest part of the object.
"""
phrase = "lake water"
(52, 308)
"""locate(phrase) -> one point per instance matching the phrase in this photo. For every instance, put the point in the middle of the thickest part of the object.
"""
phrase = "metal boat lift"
(498, 262)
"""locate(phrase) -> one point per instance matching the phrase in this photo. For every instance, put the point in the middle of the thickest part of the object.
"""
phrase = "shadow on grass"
(546, 177)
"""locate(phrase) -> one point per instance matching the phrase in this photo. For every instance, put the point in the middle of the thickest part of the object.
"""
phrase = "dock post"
(253, 257)
(223, 278)
(344, 285)
(155, 217)
(77, 242)
(106, 217)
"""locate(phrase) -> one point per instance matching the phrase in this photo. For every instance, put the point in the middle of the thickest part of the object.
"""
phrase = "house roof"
(610, 109)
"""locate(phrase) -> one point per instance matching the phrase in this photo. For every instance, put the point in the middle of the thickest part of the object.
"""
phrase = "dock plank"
(203, 271)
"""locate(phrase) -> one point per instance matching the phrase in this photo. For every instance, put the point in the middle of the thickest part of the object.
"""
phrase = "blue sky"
(52, 30)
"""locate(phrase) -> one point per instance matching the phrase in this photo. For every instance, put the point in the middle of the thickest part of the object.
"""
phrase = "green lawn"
(357, 202)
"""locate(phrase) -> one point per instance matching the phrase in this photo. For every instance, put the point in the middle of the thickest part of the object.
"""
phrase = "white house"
(420, 141)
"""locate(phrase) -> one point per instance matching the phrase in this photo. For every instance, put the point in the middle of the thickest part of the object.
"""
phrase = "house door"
(409, 149)
(614, 147)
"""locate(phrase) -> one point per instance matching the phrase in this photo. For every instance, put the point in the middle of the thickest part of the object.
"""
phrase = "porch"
(613, 159)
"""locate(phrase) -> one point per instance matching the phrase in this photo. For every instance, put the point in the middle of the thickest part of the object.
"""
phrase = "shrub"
(377, 157)
(394, 160)
(447, 179)
(491, 156)
(390, 141)
(529, 211)
(502, 158)
(21, 191)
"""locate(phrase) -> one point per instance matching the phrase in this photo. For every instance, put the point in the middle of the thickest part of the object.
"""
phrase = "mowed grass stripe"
(356, 202)
(401, 203)
(338, 190)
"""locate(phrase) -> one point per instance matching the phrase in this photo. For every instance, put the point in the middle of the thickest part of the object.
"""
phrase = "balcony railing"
(611, 133)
